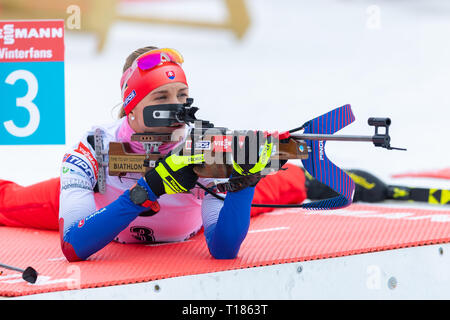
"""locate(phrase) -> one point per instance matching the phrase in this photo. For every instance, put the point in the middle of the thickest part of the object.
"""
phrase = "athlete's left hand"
(174, 174)
(251, 152)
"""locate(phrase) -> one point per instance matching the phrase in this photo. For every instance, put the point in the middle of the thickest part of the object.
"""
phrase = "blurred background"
(263, 64)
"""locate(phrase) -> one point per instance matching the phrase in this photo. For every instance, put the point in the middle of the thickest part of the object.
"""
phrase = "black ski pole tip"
(30, 275)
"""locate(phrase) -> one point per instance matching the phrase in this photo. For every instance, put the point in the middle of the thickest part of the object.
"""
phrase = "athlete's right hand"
(173, 174)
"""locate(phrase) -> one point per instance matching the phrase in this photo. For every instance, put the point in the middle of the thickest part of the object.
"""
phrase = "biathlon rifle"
(215, 144)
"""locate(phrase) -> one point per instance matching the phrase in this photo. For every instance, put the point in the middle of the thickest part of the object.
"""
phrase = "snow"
(298, 60)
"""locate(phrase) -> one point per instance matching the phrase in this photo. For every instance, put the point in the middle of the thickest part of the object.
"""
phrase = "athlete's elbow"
(225, 246)
(69, 252)
(224, 256)
(223, 252)
(67, 248)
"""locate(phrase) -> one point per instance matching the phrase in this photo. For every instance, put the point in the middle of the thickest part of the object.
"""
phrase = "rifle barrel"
(308, 136)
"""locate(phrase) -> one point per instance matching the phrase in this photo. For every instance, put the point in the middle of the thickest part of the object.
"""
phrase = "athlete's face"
(172, 93)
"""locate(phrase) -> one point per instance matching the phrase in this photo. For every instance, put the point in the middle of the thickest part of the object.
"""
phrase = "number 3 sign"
(32, 108)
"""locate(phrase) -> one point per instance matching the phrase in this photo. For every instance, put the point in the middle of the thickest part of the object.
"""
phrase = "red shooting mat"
(437, 174)
(281, 236)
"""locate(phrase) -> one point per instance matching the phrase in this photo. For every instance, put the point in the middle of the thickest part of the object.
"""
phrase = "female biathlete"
(165, 205)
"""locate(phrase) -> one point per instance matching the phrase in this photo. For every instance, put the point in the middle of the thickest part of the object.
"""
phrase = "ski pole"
(29, 274)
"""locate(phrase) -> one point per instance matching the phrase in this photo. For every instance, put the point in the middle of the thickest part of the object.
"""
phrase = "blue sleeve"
(96, 230)
(224, 237)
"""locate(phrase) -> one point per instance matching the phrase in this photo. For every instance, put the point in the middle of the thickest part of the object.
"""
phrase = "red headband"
(139, 83)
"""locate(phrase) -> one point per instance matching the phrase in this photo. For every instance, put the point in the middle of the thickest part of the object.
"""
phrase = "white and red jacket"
(180, 216)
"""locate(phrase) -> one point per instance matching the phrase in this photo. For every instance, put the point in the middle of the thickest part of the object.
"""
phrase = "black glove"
(173, 174)
(251, 152)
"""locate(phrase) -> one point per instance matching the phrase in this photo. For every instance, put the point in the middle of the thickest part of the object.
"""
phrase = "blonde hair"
(128, 62)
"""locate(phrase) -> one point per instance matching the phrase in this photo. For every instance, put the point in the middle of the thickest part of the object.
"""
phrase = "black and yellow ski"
(429, 195)
(369, 188)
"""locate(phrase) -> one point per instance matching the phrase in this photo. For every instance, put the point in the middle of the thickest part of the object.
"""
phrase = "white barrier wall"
(410, 273)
